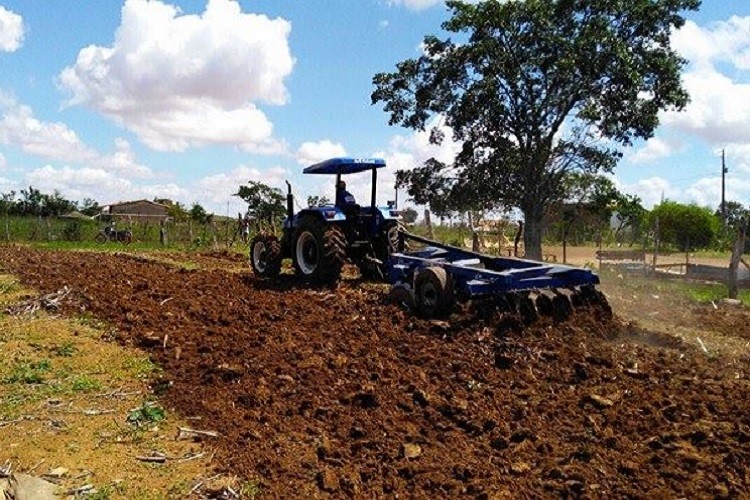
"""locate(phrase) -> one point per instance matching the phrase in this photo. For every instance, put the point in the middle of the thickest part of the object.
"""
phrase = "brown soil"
(322, 393)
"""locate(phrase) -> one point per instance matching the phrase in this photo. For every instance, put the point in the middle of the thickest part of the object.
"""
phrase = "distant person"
(245, 228)
(343, 197)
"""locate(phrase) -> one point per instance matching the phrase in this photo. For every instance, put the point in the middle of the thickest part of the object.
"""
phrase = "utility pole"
(724, 171)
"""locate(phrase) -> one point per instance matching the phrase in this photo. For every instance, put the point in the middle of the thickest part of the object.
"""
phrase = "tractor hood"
(345, 166)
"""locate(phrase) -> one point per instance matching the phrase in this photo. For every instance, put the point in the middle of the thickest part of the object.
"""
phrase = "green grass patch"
(64, 350)
(142, 367)
(28, 373)
(83, 383)
(250, 489)
(148, 413)
(713, 293)
(8, 286)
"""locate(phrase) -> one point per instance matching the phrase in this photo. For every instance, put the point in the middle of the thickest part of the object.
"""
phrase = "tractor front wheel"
(265, 256)
(319, 252)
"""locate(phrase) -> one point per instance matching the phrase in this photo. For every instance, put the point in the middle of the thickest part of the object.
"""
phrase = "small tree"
(198, 214)
(317, 201)
(688, 227)
(54, 205)
(631, 215)
(177, 212)
(89, 207)
(264, 203)
(736, 213)
(6, 205)
(409, 215)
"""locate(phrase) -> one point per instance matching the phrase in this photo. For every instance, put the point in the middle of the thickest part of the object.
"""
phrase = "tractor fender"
(325, 213)
(389, 213)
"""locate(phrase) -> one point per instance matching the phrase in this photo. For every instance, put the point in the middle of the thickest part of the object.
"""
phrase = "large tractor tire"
(319, 252)
(265, 256)
(434, 295)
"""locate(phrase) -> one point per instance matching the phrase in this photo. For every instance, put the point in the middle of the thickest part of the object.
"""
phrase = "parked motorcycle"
(109, 233)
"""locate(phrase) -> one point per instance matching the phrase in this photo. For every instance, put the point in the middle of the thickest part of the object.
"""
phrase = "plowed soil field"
(335, 393)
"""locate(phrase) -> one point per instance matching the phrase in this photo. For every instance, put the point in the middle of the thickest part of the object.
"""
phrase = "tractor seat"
(351, 210)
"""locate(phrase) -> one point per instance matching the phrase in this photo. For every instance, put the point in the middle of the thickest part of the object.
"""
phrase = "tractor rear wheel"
(265, 256)
(433, 292)
(319, 252)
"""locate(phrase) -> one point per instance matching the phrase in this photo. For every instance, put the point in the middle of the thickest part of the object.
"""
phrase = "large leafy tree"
(533, 90)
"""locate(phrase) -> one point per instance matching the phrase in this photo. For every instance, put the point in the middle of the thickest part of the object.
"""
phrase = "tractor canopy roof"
(344, 166)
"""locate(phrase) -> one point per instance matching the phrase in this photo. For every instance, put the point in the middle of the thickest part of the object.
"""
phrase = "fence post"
(734, 264)
(656, 245)
(163, 234)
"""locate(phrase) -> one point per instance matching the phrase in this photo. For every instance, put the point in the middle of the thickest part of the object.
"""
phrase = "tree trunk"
(532, 235)
(428, 223)
(519, 233)
(734, 264)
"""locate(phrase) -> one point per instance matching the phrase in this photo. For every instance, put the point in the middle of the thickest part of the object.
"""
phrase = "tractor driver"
(343, 197)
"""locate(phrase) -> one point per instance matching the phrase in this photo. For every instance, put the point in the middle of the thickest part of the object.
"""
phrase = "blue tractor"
(320, 239)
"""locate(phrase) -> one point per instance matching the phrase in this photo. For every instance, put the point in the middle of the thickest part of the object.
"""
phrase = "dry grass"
(65, 398)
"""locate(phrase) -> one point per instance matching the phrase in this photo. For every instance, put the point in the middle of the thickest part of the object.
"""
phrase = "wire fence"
(219, 232)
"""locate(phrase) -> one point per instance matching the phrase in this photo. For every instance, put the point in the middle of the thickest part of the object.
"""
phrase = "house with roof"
(138, 210)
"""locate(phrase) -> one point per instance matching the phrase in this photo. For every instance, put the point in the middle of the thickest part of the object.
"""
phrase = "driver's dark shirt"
(344, 197)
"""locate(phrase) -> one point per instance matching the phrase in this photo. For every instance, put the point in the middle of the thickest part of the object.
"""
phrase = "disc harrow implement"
(432, 279)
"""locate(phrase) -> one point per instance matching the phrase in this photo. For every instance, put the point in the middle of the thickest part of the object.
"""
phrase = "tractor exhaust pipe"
(289, 201)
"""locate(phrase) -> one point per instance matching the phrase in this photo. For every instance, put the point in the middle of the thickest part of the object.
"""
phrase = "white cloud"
(651, 191)
(79, 183)
(56, 141)
(215, 191)
(123, 162)
(704, 192)
(3, 162)
(19, 127)
(11, 30)
(654, 149)
(726, 41)
(179, 81)
(719, 111)
(102, 185)
(310, 153)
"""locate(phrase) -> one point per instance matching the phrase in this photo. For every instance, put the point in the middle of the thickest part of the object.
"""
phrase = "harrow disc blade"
(527, 310)
(562, 307)
(544, 305)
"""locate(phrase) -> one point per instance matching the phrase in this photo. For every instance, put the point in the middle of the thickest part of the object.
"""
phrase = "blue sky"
(186, 99)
